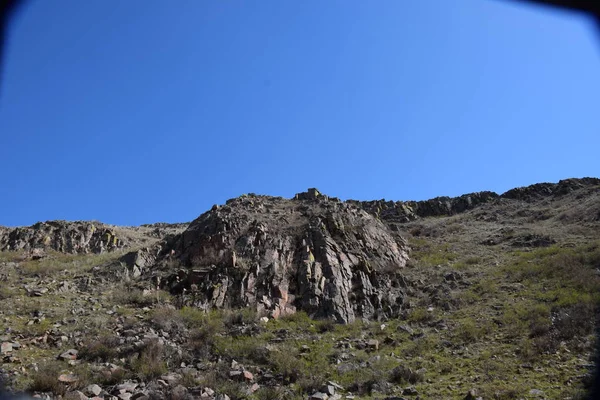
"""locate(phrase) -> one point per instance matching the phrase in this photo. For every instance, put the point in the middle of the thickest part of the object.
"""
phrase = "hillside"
(484, 295)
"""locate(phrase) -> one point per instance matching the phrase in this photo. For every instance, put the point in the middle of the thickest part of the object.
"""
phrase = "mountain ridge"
(389, 210)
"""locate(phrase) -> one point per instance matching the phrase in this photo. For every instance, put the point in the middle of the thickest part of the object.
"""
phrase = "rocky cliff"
(82, 237)
(328, 258)
(405, 211)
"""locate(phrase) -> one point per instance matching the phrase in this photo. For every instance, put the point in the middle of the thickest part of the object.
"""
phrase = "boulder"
(6, 348)
(70, 354)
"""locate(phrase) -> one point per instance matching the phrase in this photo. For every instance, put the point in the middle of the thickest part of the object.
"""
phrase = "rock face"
(82, 237)
(61, 236)
(540, 190)
(405, 211)
(328, 258)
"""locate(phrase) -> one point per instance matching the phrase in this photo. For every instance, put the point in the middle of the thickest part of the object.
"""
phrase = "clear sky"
(140, 111)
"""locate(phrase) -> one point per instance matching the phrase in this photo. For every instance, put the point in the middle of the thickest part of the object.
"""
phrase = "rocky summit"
(486, 295)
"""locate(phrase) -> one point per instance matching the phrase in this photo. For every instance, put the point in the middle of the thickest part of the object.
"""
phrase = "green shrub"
(6, 293)
(273, 393)
(467, 331)
(420, 315)
(56, 262)
(485, 287)
(297, 318)
(473, 260)
(502, 391)
(12, 256)
(235, 390)
(46, 379)
(538, 317)
(563, 267)
(243, 348)
(134, 297)
(41, 268)
(210, 379)
(576, 320)
(188, 379)
(403, 374)
(102, 349)
(286, 361)
(244, 316)
(205, 328)
(326, 325)
(492, 368)
(194, 317)
(363, 380)
(150, 362)
(167, 318)
(534, 319)
(420, 347)
(527, 351)
(468, 297)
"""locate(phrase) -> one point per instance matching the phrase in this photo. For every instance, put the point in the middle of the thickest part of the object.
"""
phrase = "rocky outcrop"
(62, 236)
(83, 237)
(328, 258)
(405, 211)
(136, 262)
(541, 190)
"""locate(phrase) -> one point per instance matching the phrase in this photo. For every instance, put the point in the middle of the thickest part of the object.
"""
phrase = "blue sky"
(140, 111)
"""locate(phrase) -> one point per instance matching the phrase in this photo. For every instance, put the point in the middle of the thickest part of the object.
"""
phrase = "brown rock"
(248, 376)
(67, 378)
(373, 344)
(6, 347)
(76, 394)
